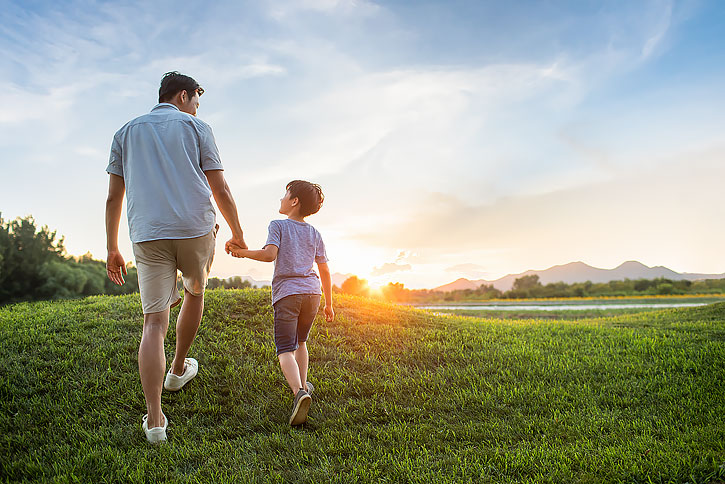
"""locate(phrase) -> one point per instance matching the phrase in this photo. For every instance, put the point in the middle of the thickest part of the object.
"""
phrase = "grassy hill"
(402, 396)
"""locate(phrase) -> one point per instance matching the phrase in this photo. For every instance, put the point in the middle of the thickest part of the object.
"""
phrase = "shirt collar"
(165, 105)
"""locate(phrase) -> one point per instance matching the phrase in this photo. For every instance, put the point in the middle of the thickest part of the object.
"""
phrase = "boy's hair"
(309, 194)
(173, 82)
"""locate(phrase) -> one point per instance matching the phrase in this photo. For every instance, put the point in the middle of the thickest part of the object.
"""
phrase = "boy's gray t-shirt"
(162, 157)
(299, 246)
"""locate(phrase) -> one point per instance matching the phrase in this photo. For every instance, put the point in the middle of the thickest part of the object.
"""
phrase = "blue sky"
(452, 138)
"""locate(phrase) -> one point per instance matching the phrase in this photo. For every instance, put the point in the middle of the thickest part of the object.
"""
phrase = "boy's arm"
(268, 254)
(327, 289)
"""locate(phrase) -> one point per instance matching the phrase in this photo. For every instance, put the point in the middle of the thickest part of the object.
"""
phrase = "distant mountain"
(460, 284)
(581, 272)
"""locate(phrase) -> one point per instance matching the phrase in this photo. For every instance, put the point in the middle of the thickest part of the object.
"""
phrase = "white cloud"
(282, 9)
(661, 26)
(389, 268)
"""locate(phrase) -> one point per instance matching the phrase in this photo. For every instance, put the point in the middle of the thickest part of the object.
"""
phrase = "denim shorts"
(293, 317)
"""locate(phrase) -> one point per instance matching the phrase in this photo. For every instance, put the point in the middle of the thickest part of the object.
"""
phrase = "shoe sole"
(174, 389)
(299, 414)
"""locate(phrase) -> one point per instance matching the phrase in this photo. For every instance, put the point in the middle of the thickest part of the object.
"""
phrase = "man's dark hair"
(309, 194)
(173, 82)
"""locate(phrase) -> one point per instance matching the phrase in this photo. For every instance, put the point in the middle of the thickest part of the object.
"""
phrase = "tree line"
(527, 287)
(35, 266)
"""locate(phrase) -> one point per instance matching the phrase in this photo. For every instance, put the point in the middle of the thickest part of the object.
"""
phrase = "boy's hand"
(234, 243)
(238, 252)
(329, 314)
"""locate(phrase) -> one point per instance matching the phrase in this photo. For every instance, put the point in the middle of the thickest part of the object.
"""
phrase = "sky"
(451, 138)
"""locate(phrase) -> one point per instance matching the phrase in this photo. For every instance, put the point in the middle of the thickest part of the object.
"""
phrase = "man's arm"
(268, 254)
(225, 202)
(327, 289)
(115, 265)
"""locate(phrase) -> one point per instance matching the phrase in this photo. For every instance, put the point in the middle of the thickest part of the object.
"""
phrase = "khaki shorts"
(157, 262)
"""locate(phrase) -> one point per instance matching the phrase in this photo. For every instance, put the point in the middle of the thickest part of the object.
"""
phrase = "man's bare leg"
(187, 324)
(152, 363)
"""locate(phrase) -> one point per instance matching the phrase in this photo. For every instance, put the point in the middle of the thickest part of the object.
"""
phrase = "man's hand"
(234, 243)
(329, 314)
(115, 267)
(238, 252)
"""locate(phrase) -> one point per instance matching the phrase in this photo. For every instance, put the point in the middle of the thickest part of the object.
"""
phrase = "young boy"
(294, 245)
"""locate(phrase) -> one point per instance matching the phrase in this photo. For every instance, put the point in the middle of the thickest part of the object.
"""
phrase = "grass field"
(571, 314)
(402, 396)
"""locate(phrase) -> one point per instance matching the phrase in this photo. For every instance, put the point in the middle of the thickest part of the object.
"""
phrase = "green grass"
(568, 314)
(402, 396)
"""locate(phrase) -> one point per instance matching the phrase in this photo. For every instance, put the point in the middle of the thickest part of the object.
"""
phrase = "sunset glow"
(474, 141)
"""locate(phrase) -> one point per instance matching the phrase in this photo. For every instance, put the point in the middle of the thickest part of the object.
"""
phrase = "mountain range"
(581, 272)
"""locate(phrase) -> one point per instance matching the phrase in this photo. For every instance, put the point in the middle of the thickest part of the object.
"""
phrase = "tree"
(395, 291)
(25, 251)
(33, 265)
(355, 286)
(236, 282)
(526, 282)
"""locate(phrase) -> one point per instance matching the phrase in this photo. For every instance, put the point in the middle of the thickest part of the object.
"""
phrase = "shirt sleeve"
(115, 161)
(320, 252)
(274, 236)
(210, 159)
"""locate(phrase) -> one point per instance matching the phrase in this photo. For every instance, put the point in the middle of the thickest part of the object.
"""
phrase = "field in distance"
(568, 308)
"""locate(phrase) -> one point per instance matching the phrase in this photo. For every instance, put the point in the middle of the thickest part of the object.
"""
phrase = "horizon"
(469, 141)
(341, 277)
(347, 275)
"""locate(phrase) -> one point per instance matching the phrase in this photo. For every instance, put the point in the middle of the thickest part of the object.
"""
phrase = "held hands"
(115, 267)
(235, 247)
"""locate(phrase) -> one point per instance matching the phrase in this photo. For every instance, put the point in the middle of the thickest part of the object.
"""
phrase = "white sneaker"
(155, 435)
(174, 383)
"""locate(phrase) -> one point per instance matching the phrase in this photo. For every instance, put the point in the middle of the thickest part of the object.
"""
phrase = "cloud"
(389, 268)
(659, 30)
(650, 215)
(400, 264)
(283, 9)
(21, 105)
(444, 124)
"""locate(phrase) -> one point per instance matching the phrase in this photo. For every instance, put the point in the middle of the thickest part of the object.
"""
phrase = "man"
(167, 164)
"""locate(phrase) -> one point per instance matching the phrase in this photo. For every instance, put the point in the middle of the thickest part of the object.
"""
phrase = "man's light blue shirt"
(162, 157)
